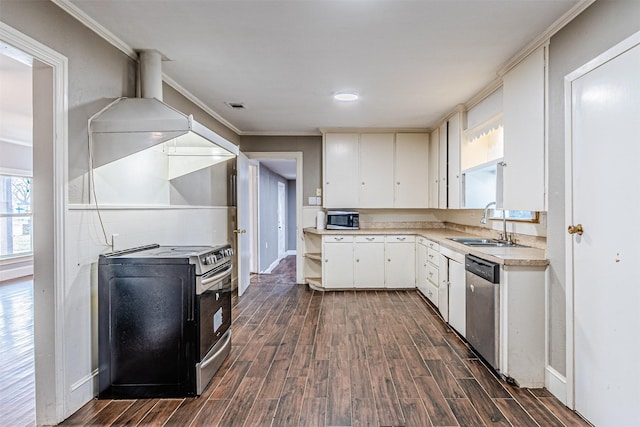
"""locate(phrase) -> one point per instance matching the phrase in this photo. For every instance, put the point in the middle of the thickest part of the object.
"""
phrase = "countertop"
(507, 256)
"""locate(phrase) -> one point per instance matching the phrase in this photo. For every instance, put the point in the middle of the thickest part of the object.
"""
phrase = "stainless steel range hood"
(131, 125)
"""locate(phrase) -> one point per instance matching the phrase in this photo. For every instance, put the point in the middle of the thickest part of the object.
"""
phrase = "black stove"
(164, 318)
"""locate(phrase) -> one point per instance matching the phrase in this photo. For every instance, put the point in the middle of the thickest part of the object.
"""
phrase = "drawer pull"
(401, 238)
(338, 238)
(370, 239)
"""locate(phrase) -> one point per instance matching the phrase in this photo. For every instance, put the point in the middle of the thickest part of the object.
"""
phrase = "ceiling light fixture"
(346, 96)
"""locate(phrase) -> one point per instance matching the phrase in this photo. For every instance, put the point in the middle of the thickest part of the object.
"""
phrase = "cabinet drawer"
(432, 274)
(400, 239)
(433, 245)
(338, 239)
(433, 256)
(423, 241)
(369, 239)
(431, 292)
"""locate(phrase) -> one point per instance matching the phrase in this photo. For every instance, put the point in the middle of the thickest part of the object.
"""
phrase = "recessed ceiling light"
(346, 96)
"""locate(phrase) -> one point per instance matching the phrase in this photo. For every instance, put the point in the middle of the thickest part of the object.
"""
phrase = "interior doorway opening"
(276, 193)
(17, 395)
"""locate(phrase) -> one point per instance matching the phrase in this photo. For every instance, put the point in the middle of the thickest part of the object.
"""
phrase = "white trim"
(88, 207)
(291, 252)
(16, 172)
(544, 37)
(273, 265)
(297, 155)
(82, 381)
(604, 57)
(51, 406)
(94, 26)
(16, 272)
(556, 384)
(284, 133)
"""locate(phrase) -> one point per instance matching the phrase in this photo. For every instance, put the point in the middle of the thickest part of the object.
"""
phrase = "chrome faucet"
(503, 236)
(483, 220)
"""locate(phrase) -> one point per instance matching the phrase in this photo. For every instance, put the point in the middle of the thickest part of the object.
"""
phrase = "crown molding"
(544, 37)
(94, 26)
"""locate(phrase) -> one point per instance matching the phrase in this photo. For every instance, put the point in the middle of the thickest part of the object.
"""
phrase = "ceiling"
(411, 61)
(286, 168)
(15, 98)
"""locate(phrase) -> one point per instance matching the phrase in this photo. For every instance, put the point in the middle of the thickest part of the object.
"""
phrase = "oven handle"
(208, 358)
(216, 278)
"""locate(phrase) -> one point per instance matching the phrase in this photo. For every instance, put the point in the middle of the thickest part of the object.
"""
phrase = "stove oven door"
(214, 328)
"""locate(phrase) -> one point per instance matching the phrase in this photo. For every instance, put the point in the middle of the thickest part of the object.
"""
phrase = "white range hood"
(131, 125)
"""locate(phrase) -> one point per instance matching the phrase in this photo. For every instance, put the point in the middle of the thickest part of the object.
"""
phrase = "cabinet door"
(337, 269)
(524, 173)
(443, 289)
(421, 268)
(400, 268)
(457, 297)
(369, 263)
(412, 170)
(376, 170)
(454, 135)
(341, 184)
(442, 167)
(434, 168)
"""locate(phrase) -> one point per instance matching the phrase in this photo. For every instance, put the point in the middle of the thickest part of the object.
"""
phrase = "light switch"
(318, 192)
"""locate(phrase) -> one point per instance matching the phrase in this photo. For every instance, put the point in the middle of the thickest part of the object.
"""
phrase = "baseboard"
(15, 273)
(556, 383)
(272, 266)
(291, 252)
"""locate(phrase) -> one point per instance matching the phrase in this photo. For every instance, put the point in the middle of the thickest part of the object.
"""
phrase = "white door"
(282, 206)
(243, 218)
(368, 267)
(376, 170)
(604, 196)
(337, 271)
(340, 161)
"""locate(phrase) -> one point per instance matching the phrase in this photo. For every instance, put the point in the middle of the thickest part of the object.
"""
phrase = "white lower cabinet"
(421, 267)
(457, 297)
(400, 268)
(337, 261)
(368, 266)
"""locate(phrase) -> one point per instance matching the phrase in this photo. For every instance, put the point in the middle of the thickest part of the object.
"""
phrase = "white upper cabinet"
(524, 134)
(434, 168)
(376, 170)
(442, 167)
(376, 175)
(454, 139)
(412, 170)
(341, 173)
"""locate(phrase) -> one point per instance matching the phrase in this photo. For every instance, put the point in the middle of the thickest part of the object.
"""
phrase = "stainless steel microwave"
(343, 220)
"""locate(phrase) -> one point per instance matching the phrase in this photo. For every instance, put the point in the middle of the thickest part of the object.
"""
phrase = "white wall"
(268, 216)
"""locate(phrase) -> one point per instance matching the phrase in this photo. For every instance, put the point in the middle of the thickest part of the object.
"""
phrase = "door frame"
(49, 245)
(297, 156)
(599, 60)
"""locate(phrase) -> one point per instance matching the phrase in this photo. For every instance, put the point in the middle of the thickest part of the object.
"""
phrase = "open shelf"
(314, 256)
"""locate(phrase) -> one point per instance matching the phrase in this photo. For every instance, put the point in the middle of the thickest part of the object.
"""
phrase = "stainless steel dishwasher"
(483, 307)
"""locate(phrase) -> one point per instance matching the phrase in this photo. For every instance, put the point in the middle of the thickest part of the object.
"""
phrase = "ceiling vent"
(236, 105)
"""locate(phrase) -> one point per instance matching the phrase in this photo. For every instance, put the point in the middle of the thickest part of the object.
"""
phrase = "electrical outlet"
(318, 192)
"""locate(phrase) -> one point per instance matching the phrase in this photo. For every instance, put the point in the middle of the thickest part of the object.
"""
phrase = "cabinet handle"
(327, 182)
(503, 164)
(401, 238)
(357, 260)
(388, 259)
(370, 238)
(362, 182)
(431, 256)
(431, 274)
(338, 238)
(398, 183)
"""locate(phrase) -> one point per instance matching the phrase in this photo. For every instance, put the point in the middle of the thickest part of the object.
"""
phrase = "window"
(15, 216)
(524, 216)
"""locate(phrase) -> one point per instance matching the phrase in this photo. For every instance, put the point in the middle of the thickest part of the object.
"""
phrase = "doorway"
(603, 106)
(279, 197)
(50, 77)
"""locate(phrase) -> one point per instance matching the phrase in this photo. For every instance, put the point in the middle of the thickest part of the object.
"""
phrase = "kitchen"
(601, 26)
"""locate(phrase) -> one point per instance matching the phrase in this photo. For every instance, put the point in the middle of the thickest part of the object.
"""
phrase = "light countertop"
(507, 256)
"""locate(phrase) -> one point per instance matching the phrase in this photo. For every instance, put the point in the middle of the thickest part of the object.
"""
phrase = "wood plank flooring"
(17, 375)
(307, 358)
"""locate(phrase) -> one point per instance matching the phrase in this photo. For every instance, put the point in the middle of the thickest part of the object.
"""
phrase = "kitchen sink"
(479, 241)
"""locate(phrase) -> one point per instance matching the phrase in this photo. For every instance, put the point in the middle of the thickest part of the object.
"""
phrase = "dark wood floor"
(367, 358)
(17, 377)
